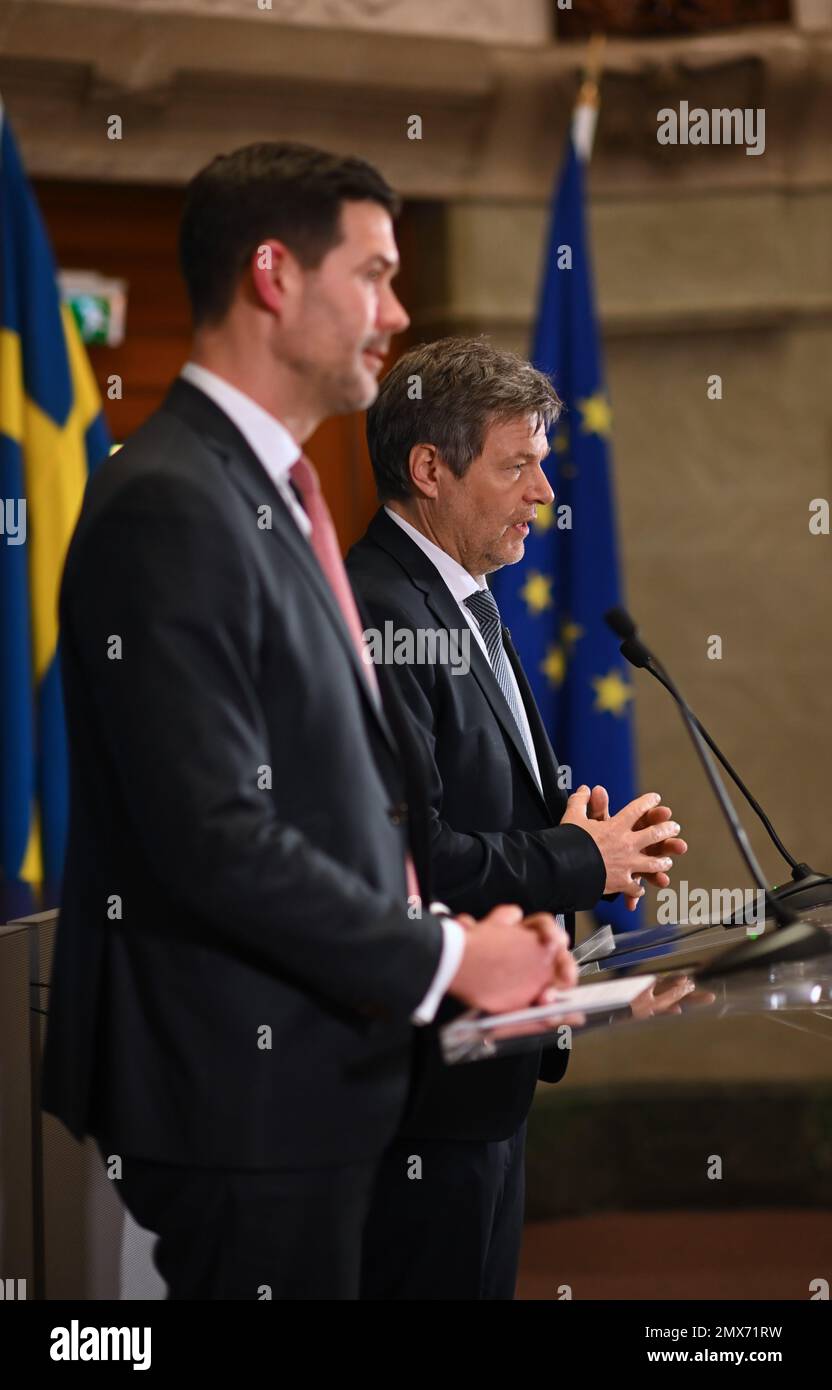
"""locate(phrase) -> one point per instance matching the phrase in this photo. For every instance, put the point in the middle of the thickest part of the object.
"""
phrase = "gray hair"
(447, 394)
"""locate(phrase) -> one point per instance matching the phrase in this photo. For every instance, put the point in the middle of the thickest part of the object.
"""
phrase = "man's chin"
(507, 553)
(365, 387)
(369, 395)
(356, 394)
(514, 548)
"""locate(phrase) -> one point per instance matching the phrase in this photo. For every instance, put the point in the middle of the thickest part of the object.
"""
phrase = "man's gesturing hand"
(599, 809)
(630, 846)
(507, 964)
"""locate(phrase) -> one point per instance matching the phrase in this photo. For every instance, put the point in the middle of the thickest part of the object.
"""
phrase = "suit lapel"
(424, 574)
(546, 757)
(251, 478)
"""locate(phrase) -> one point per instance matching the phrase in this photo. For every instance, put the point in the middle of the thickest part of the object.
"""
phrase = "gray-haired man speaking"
(458, 437)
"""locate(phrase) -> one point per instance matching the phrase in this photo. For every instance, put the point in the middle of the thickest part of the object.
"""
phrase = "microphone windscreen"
(620, 622)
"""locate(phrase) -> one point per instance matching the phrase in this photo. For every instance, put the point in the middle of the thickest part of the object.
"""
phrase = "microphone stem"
(798, 870)
(780, 914)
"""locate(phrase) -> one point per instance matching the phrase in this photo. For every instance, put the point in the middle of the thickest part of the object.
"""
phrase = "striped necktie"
(483, 605)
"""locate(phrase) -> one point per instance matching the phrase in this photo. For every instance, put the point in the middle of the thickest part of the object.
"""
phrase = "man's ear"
(423, 462)
(273, 273)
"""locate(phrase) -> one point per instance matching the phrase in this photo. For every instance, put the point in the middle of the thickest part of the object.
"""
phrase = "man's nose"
(392, 316)
(539, 488)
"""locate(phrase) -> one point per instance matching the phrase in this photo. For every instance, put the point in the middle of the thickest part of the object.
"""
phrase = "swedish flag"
(52, 433)
(554, 600)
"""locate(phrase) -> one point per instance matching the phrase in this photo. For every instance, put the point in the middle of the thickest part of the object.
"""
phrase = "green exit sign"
(98, 304)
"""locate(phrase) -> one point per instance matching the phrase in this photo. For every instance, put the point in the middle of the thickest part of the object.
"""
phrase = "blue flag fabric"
(52, 433)
(554, 600)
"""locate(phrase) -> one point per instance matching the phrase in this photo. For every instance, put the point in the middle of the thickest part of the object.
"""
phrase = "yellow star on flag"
(570, 632)
(537, 591)
(611, 693)
(560, 442)
(597, 415)
(554, 665)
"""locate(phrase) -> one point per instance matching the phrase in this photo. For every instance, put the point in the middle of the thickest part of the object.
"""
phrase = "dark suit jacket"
(494, 837)
(238, 828)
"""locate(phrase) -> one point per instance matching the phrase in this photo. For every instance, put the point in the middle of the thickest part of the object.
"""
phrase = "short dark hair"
(290, 192)
(447, 394)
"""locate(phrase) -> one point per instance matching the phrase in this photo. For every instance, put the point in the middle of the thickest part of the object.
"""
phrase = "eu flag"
(554, 600)
(52, 433)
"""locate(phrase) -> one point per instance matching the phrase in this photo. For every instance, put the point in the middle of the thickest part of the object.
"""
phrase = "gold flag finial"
(585, 114)
(589, 93)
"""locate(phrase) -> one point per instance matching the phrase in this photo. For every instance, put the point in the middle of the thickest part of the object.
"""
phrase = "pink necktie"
(324, 542)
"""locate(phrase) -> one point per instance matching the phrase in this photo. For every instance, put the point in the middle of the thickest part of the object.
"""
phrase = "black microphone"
(808, 888)
(793, 939)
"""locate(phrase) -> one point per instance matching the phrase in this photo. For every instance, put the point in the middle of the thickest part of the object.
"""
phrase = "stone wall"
(713, 494)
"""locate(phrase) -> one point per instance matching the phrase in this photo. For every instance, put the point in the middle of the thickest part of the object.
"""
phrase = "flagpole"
(585, 112)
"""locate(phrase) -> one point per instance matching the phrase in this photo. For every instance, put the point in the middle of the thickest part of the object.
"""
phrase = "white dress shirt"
(271, 441)
(462, 585)
(277, 451)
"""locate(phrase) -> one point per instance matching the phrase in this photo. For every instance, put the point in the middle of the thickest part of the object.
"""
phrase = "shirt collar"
(270, 440)
(461, 584)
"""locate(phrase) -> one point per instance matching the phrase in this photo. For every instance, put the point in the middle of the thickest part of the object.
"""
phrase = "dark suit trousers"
(453, 1233)
(249, 1234)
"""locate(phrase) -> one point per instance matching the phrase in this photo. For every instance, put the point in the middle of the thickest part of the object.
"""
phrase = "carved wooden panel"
(644, 17)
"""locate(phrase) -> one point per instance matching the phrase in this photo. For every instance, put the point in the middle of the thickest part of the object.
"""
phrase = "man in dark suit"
(457, 439)
(237, 972)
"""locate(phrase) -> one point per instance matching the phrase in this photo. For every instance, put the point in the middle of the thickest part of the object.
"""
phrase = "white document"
(473, 1035)
(585, 999)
